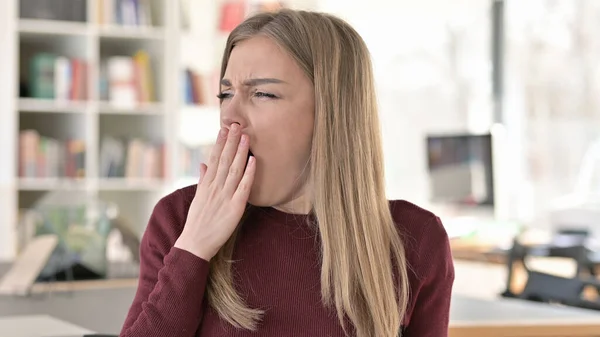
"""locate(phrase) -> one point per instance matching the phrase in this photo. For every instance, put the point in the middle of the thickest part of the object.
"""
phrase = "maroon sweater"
(277, 270)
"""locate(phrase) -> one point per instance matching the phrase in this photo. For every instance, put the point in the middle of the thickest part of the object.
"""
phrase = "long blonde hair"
(364, 270)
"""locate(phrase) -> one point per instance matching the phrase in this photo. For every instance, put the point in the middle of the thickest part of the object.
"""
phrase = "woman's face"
(269, 96)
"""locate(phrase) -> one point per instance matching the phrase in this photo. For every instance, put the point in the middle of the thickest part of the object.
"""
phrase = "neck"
(300, 204)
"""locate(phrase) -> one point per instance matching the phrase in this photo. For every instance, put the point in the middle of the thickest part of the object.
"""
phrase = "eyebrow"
(252, 82)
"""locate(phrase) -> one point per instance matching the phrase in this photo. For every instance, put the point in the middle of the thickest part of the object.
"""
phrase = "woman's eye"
(223, 95)
(261, 94)
(226, 95)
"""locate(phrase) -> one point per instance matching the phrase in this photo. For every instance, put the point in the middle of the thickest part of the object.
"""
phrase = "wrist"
(194, 248)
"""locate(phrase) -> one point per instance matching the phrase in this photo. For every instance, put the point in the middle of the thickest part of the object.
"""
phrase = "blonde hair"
(364, 271)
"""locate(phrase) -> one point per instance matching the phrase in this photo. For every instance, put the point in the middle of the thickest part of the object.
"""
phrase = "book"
(190, 158)
(121, 81)
(131, 158)
(46, 157)
(57, 77)
(143, 76)
(129, 80)
(194, 92)
(232, 14)
(133, 13)
(41, 76)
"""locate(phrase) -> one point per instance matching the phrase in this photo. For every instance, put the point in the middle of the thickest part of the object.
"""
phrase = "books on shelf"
(200, 89)
(64, 10)
(57, 77)
(131, 158)
(44, 157)
(128, 80)
(233, 13)
(125, 12)
(191, 157)
(193, 88)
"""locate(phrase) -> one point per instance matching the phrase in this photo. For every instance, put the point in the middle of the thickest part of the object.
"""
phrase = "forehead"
(259, 57)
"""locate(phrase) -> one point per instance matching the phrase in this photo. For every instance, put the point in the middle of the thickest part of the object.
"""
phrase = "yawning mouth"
(249, 154)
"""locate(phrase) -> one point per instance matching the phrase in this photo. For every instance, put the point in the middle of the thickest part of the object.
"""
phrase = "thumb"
(203, 169)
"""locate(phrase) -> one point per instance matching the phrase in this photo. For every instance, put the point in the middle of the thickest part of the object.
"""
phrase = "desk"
(466, 251)
(470, 317)
(470, 250)
(38, 326)
(101, 310)
(104, 310)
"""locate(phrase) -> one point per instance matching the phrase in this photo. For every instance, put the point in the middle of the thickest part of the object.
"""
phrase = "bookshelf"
(38, 27)
(95, 51)
(82, 104)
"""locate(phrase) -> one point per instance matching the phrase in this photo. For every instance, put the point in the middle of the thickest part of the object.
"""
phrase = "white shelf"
(186, 181)
(131, 32)
(51, 106)
(51, 184)
(139, 109)
(95, 118)
(50, 27)
(55, 106)
(131, 184)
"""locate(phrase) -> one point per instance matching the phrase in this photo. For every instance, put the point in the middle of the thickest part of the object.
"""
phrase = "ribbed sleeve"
(432, 294)
(172, 281)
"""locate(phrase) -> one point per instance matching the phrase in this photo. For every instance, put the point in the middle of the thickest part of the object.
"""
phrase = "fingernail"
(223, 132)
(234, 127)
(244, 139)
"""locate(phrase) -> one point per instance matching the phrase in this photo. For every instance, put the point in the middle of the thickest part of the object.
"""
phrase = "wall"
(553, 106)
(431, 60)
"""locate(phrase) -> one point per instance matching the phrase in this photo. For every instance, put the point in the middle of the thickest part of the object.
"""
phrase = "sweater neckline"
(285, 218)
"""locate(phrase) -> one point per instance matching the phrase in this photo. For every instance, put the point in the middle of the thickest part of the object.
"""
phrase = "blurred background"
(490, 115)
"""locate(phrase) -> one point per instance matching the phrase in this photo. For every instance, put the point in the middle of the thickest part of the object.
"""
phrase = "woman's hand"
(221, 195)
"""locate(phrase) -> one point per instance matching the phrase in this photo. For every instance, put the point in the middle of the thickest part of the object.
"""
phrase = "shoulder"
(425, 239)
(429, 262)
(168, 216)
(176, 202)
(414, 222)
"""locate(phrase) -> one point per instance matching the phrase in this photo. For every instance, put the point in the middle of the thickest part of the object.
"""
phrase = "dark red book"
(232, 14)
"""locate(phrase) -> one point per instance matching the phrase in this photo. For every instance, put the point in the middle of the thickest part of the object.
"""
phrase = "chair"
(548, 288)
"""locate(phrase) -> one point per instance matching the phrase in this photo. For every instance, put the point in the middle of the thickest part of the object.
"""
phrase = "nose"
(232, 112)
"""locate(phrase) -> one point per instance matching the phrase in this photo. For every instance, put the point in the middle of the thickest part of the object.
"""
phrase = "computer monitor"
(461, 169)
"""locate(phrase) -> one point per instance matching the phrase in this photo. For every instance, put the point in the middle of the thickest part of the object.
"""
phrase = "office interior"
(490, 115)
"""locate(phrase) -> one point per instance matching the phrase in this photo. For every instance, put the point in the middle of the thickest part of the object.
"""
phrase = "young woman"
(288, 231)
